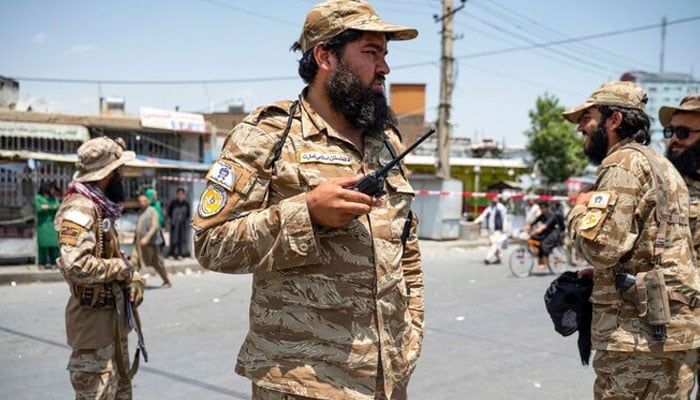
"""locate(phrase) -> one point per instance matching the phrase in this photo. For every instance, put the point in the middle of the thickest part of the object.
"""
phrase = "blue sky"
(248, 41)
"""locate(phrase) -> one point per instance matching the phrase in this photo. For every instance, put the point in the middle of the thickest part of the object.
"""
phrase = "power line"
(405, 66)
(155, 82)
(544, 31)
(578, 39)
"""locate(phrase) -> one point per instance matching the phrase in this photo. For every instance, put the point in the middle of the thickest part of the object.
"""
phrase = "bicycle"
(523, 260)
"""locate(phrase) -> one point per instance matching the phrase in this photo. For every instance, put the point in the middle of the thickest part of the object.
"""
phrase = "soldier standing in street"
(633, 229)
(337, 304)
(682, 129)
(103, 286)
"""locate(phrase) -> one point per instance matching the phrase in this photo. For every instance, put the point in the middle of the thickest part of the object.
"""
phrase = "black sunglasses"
(681, 132)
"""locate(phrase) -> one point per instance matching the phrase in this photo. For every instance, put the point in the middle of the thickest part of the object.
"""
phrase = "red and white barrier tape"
(521, 196)
(180, 179)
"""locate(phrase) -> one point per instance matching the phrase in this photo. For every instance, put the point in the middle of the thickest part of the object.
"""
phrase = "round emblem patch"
(212, 201)
(590, 219)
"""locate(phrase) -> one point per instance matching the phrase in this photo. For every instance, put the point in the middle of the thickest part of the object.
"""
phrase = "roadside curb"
(29, 273)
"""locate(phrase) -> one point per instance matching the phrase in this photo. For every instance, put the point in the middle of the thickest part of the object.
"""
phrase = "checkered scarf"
(106, 207)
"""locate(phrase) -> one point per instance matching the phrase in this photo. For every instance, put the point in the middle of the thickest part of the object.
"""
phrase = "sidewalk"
(29, 273)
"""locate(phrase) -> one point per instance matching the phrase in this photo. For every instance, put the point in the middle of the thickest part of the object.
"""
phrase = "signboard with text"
(171, 120)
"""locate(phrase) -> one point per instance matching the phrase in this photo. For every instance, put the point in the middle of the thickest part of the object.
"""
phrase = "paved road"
(488, 337)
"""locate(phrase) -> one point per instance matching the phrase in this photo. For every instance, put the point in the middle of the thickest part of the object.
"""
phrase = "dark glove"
(136, 293)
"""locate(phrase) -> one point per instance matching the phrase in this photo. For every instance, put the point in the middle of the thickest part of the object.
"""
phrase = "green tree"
(556, 147)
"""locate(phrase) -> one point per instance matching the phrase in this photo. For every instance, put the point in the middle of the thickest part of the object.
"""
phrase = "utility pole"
(663, 44)
(446, 85)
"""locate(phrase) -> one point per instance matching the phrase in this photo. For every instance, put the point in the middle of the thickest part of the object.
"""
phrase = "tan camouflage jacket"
(328, 305)
(76, 221)
(694, 190)
(616, 232)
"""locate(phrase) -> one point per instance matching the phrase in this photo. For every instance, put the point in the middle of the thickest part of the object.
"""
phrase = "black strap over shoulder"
(277, 150)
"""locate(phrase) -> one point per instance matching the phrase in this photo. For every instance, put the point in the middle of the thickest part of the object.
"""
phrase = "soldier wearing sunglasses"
(682, 129)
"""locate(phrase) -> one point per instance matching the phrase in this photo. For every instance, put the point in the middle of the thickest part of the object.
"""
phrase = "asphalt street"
(487, 336)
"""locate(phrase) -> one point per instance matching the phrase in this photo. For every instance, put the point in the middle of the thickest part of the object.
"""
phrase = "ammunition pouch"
(98, 296)
(651, 298)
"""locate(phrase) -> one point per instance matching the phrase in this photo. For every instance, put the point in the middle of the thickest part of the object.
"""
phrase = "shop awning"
(139, 162)
(45, 131)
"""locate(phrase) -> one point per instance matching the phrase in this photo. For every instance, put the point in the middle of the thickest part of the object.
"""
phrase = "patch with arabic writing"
(69, 233)
(325, 158)
(223, 175)
(590, 219)
(601, 200)
(212, 201)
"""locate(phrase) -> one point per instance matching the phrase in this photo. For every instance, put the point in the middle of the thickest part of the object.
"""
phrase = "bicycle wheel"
(557, 260)
(520, 262)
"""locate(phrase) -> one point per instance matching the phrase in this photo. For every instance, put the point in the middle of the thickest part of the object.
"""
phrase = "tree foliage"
(556, 147)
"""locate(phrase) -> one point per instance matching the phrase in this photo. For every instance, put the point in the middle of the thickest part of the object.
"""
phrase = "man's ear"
(614, 120)
(325, 59)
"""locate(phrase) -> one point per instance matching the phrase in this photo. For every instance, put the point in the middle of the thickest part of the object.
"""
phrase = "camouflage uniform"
(617, 234)
(690, 104)
(333, 311)
(90, 261)
(694, 190)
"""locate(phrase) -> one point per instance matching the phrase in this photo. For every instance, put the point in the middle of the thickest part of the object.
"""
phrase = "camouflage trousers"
(644, 376)
(149, 256)
(94, 374)
(260, 393)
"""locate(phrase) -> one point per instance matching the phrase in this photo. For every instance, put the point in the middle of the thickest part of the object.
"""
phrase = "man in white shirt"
(496, 216)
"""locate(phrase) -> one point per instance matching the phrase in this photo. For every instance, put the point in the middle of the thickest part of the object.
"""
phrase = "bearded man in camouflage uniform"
(337, 304)
(633, 229)
(682, 129)
(96, 272)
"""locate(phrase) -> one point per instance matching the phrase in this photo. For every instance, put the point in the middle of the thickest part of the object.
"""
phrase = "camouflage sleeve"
(607, 228)
(77, 241)
(413, 274)
(235, 230)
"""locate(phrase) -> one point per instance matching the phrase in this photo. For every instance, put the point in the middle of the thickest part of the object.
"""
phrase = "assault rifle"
(373, 184)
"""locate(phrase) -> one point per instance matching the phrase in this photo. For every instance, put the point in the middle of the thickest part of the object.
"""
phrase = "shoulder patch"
(222, 174)
(69, 233)
(212, 201)
(602, 200)
(590, 219)
(77, 217)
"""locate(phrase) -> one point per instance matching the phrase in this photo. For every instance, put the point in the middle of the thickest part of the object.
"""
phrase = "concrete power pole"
(663, 45)
(446, 60)
(446, 85)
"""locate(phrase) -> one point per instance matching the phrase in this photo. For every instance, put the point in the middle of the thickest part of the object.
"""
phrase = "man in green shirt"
(46, 203)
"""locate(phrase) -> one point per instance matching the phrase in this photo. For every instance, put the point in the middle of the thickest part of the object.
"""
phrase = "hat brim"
(398, 32)
(94, 176)
(666, 113)
(575, 113)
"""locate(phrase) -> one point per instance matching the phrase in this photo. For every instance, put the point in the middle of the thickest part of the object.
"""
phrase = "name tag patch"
(325, 158)
(223, 175)
(212, 201)
(601, 200)
(69, 233)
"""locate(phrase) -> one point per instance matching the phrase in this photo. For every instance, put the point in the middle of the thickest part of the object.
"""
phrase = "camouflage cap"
(98, 157)
(333, 17)
(690, 103)
(621, 94)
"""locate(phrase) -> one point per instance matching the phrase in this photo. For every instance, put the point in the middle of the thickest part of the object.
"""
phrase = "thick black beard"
(598, 145)
(364, 108)
(115, 189)
(688, 162)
